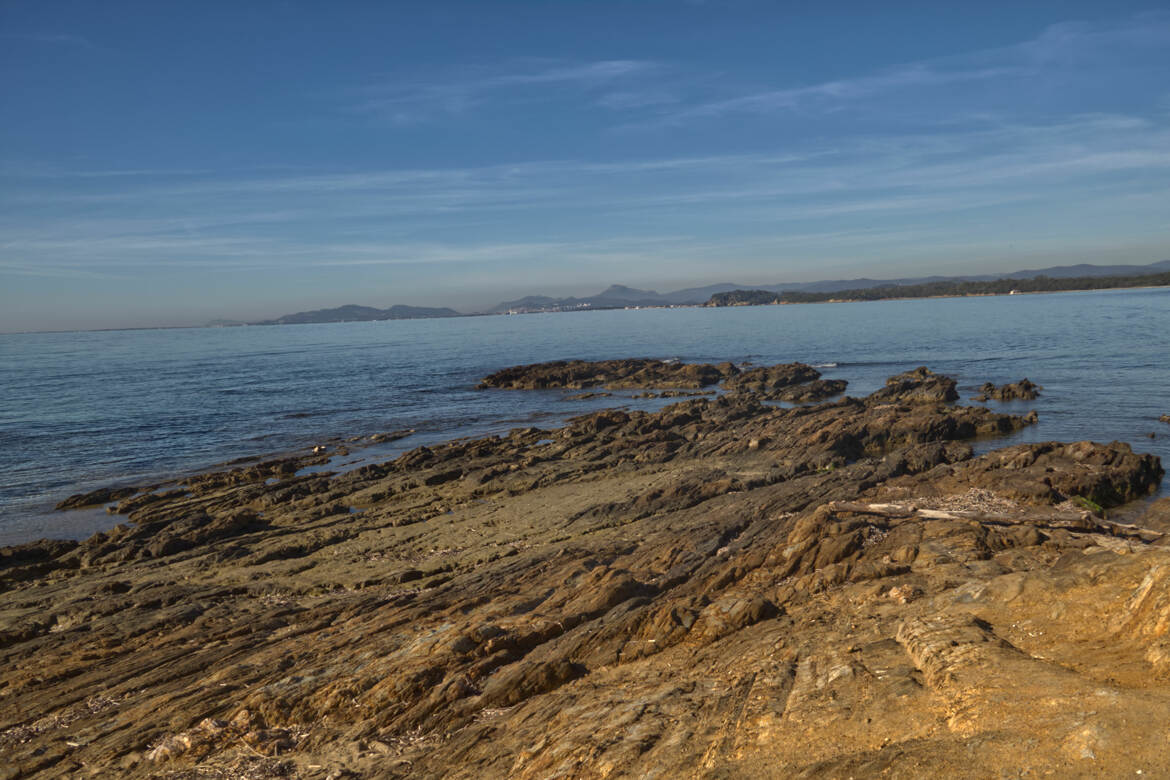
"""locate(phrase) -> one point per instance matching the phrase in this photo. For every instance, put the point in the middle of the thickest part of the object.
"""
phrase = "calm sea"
(82, 410)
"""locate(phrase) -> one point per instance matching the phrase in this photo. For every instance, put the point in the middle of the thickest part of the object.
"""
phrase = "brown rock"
(612, 374)
(1015, 391)
(634, 593)
(96, 497)
(916, 387)
(767, 379)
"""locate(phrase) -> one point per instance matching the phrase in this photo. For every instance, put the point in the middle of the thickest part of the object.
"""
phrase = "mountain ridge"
(620, 296)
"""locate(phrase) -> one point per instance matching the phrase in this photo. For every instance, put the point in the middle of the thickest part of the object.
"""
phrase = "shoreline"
(345, 452)
(721, 585)
(578, 311)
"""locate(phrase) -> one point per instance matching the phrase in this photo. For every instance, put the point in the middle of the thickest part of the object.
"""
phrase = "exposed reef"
(794, 382)
(639, 373)
(723, 588)
(1015, 391)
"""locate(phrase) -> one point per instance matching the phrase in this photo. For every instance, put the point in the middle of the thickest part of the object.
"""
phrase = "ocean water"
(83, 410)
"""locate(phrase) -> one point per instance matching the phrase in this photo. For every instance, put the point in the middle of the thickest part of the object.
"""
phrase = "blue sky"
(171, 163)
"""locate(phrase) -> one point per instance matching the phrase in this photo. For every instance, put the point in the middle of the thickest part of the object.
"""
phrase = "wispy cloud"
(1060, 48)
(52, 39)
(1104, 163)
(654, 95)
(838, 91)
(407, 101)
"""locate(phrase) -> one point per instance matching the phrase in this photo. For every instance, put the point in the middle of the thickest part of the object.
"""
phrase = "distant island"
(354, 313)
(941, 289)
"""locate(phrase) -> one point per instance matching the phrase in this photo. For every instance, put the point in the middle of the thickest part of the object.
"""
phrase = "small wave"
(824, 365)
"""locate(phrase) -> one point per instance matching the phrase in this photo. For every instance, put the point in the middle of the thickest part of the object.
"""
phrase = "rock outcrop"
(918, 386)
(1023, 390)
(769, 379)
(811, 392)
(793, 382)
(723, 588)
(640, 373)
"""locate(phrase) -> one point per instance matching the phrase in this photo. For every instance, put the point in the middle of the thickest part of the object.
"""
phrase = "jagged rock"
(919, 386)
(768, 379)
(818, 390)
(721, 588)
(1015, 391)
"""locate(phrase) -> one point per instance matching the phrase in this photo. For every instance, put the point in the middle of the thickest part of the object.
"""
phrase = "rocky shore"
(723, 588)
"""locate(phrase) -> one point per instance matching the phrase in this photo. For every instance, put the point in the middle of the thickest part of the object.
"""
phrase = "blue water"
(83, 410)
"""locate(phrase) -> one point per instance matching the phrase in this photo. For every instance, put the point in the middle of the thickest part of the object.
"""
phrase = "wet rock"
(611, 374)
(1023, 390)
(768, 379)
(96, 497)
(382, 438)
(919, 386)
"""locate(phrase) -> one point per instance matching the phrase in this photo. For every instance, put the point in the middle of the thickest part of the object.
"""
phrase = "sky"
(172, 163)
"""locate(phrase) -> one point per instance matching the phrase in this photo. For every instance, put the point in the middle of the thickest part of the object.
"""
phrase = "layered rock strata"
(723, 588)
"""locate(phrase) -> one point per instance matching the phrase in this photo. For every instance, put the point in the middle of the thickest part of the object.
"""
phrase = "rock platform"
(722, 588)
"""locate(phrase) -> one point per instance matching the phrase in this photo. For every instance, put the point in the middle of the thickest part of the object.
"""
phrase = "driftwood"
(1079, 522)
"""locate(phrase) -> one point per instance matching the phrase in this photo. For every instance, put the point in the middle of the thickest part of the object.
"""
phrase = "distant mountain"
(354, 313)
(619, 292)
(615, 297)
(699, 294)
(619, 296)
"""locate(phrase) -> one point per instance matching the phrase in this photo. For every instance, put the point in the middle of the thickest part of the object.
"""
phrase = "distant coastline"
(1049, 280)
(619, 297)
(942, 289)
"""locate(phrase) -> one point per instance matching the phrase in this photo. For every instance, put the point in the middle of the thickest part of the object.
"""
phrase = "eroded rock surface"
(723, 588)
